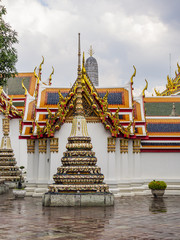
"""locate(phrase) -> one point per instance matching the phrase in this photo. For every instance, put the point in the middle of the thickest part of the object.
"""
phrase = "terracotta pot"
(158, 193)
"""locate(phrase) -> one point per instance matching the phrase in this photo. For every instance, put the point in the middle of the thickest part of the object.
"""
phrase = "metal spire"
(79, 107)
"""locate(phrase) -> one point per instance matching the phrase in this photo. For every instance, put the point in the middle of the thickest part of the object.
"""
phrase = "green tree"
(8, 54)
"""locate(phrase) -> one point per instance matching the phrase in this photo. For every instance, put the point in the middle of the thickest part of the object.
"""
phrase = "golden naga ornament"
(40, 68)
(36, 76)
(178, 67)
(134, 74)
(143, 92)
(172, 85)
(24, 87)
(50, 77)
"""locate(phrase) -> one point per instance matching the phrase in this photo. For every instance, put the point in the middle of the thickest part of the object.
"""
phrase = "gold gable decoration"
(98, 107)
(172, 86)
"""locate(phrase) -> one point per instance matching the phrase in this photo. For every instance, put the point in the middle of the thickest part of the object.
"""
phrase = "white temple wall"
(105, 160)
(18, 145)
(31, 168)
(124, 170)
(118, 170)
(160, 166)
(137, 168)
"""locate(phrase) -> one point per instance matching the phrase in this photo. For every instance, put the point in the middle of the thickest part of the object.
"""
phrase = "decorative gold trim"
(42, 145)
(30, 145)
(54, 144)
(111, 144)
(6, 126)
(20, 126)
(88, 119)
(123, 145)
(136, 145)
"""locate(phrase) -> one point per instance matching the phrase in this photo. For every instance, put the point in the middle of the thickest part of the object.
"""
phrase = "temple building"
(136, 139)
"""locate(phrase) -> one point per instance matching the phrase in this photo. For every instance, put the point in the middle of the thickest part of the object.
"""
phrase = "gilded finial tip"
(91, 51)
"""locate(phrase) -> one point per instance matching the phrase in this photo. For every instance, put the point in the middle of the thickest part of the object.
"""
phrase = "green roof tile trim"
(15, 85)
(18, 104)
(161, 108)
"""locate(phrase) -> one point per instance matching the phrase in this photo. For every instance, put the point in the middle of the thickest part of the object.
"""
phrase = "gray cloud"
(122, 33)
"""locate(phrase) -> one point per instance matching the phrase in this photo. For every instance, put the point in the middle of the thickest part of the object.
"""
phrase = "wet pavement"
(139, 217)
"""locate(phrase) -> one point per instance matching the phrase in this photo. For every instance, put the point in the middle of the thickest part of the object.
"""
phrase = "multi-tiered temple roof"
(147, 118)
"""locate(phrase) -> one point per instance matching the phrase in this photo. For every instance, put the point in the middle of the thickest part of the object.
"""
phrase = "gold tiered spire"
(79, 107)
(79, 172)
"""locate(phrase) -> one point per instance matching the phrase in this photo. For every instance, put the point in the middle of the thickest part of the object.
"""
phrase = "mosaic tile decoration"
(160, 144)
(163, 127)
(114, 97)
(53, 98)
(161, 108)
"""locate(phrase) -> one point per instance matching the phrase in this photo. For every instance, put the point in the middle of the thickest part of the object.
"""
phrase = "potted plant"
(157, 188)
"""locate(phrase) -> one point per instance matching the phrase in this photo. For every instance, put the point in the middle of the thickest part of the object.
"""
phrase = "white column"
(130, 160)
(42, 171)
(124, 159)
(30, 161)
(137, 160)
(30, 168)
(42, 168)
(55, 158)
(111, 159)
(118, 161)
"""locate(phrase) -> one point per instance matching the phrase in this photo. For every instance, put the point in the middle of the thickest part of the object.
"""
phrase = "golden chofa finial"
(83, 65)
(91, 51)
(157, 92)
(50, 77)
(40, 68)
(143, 92)
(134, 74)
(24, 87)
(178, 67)
(36, 76)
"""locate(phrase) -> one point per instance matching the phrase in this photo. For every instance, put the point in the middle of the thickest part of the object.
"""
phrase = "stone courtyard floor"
(139, 217)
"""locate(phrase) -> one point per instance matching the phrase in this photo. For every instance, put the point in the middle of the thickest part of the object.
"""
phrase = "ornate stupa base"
(78, 199)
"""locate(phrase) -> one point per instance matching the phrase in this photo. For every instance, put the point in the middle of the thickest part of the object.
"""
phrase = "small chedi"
(79, 181)
(9, 172)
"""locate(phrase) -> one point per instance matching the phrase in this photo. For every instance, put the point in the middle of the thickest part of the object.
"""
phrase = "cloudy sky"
(123, 33)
